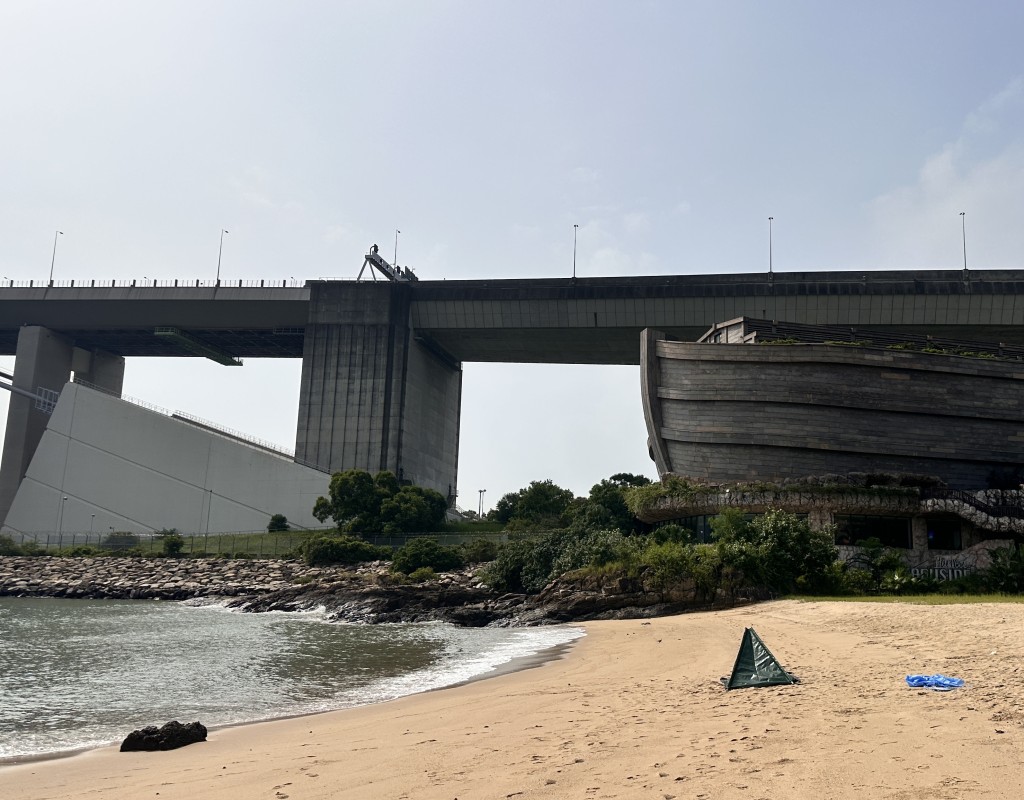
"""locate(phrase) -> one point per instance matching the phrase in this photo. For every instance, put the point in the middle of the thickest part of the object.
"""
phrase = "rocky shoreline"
(366, 594)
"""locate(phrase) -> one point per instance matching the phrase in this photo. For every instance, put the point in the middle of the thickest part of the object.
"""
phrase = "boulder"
(169, 737)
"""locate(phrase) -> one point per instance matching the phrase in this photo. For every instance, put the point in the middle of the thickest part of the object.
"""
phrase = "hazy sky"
(668, 131)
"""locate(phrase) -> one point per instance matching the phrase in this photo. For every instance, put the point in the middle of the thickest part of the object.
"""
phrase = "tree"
(359, 502)
(775, 548)
(413, 508)
(540, 503)
(354, 503)
(278, 522)
(609, 496)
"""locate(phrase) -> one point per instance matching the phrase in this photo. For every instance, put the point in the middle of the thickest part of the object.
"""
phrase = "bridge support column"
(44, 359)
(375, 395)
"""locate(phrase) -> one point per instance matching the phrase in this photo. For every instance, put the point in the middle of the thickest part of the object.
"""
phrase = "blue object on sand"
(939, 683)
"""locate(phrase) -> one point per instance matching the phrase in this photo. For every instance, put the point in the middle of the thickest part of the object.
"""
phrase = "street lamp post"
(770, 244)
(575, 228)
(220, 252)
(92, 522)
(963, 231)
(480, 510)
(53, 258)
(395, 264)
(60, 515)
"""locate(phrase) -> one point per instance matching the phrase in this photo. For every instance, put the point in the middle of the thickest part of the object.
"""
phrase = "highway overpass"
(381, 376)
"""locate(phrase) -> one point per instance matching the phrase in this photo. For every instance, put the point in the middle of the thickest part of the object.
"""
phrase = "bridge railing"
(160, 283)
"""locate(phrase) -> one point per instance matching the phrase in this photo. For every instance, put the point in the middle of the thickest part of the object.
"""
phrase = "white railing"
(133, 400)
(159, 283)
(184, 416)
(187, 418)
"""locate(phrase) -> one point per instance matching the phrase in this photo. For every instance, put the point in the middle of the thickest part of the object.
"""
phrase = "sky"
(484, 131)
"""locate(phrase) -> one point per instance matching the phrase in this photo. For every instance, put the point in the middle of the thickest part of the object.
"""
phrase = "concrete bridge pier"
(45, 359)
(376, 394)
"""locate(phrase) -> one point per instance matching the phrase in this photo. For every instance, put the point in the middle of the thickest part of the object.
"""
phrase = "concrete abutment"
(45, 360)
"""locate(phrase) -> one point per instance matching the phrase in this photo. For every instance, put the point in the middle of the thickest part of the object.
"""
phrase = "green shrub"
(81, 550)
(900, 581)
(321, 550)
(640, 498)
(422, 575)
(666, 563)
(1006, 572)
(278, 522)
(120, 540)
(705, 567)
(877, 560)
(172, 544)
(32, 548)
(479, 550)
(790, 549)
(8, 547)
(673, 533)
(975, 583)
(130, 552)
(591, 549)
(858, 581)
(742, 566)
(524, 565)
(425, 552)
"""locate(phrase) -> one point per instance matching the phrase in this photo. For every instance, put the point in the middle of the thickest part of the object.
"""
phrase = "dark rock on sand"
(169, 737)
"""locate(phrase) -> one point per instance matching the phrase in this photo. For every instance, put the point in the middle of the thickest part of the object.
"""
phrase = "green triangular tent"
(755, 665)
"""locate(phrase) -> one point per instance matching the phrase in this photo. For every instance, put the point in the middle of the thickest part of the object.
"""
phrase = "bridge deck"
(587, 320)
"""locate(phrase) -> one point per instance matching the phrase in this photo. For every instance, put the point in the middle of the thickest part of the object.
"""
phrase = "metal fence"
(246, 544)
(399, 539)
(254, 544)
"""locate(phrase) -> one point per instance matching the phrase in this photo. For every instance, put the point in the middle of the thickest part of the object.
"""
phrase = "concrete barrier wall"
(127, 468)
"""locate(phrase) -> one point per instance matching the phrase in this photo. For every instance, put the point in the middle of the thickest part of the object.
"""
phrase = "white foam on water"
(460, 665)
(85, 673)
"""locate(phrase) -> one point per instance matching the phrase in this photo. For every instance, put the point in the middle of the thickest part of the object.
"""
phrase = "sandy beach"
(635, 710)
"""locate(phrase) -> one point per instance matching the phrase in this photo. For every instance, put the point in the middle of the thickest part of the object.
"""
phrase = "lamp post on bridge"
(53, 258)
(220, 252)
(770, 244)
(963, 232)
(575, 228)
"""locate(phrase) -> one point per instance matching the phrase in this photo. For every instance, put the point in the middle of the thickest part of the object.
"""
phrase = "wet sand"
(635, 710)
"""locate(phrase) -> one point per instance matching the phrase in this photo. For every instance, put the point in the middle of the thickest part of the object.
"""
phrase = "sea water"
(84, 673)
